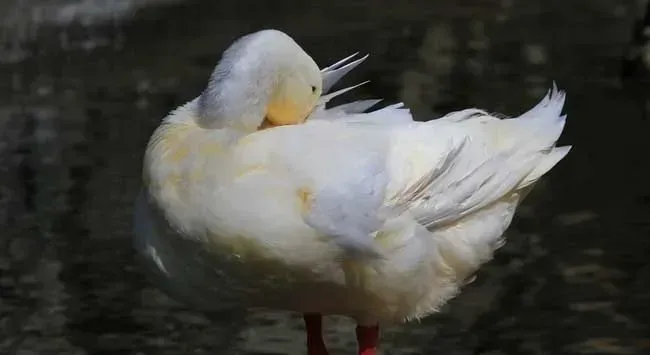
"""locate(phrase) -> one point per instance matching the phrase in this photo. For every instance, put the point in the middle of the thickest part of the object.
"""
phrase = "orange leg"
(314, 329)
(367, 339)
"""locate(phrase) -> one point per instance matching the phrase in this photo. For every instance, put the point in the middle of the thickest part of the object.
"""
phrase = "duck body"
(262, 220)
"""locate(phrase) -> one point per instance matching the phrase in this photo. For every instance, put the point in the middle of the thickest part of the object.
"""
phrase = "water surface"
(79, 103)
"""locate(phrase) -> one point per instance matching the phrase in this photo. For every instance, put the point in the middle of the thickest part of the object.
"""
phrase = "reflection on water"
(73, 123)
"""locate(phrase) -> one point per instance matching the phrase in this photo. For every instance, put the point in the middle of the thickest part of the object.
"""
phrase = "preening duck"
(256, 195)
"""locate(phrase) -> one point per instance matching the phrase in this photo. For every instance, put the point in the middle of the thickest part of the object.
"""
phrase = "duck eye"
(313, 89)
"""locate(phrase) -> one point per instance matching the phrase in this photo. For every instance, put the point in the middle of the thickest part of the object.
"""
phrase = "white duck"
(257, 196)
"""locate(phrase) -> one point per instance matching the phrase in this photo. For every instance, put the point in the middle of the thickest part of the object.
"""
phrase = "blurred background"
(84, 82)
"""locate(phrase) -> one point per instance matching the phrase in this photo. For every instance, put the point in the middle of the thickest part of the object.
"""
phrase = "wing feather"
(438, 172)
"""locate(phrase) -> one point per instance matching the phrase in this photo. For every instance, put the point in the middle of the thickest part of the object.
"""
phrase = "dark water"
(76, 111)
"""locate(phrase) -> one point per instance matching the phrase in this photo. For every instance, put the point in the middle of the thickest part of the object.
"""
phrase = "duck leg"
(314, 329)
(367, 339)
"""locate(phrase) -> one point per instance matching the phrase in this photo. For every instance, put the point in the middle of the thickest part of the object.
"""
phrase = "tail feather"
(541, 126)
(544, 124)
(550, 105)
(545, 165)
(502, 156)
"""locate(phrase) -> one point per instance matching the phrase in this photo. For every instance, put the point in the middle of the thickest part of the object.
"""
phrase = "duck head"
(263, 79)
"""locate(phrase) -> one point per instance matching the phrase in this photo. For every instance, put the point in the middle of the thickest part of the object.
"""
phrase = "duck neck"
(237, 95)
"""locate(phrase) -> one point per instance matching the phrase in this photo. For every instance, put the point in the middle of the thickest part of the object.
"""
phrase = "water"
(80, 102)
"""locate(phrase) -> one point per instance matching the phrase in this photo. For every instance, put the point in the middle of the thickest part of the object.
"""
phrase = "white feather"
(332, 74)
